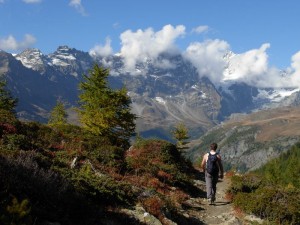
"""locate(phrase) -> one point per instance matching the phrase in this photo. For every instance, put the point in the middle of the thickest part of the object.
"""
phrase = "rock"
(140, 214)
(253, 218)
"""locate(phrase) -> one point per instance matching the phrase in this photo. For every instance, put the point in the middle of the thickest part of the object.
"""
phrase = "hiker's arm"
(221, 168)
(203, 163)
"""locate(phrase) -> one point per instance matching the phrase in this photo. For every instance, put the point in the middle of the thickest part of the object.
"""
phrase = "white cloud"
(10, 43)
(148, 44)
(103, 51)
(215, 60)
(200, 29)
(295, 69)
(207, 57)
(78, 6)
(252, 68)
(32, 1)
(248, 65)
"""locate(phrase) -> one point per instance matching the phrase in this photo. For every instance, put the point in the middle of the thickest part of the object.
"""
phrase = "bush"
(160, 159)
(52, 197)
(247, 183)
(99, 188)
(272, 192)
(272, 203)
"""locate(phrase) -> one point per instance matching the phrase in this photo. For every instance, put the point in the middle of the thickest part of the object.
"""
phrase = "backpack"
(211, 164)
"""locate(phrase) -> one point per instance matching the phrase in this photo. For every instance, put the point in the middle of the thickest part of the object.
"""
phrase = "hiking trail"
(221, 212)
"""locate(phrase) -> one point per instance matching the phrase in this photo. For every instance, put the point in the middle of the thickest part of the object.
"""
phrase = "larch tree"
(105, 111)
(180, 133)
(58, 115)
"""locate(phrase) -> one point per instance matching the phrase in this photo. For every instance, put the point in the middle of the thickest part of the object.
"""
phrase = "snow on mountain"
(163, 90)
(33, 59)
(160, 100)
(275, 95)
(229, 71)
(62, 57)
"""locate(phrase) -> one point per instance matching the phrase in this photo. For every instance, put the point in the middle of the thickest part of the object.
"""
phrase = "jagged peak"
(33, 58)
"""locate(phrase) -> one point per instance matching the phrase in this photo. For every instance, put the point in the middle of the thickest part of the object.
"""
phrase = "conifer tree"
(103, 110)
(7, 102)
(180, 133)
(58, 115)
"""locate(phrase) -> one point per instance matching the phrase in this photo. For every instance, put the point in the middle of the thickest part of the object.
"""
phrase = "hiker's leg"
(214, 186)
(208, 181)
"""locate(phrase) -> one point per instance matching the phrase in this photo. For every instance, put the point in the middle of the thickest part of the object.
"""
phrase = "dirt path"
(221, 212)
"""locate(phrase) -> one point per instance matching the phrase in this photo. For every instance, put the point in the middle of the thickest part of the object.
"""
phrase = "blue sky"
(270, 27)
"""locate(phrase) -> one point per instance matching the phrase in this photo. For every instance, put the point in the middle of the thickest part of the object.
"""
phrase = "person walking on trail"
(213, 168)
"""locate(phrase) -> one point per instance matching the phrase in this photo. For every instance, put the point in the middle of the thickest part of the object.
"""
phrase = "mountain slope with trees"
(273, 191)
(67, 174)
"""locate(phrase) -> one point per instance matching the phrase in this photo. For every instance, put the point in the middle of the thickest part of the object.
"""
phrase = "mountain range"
(164, 91)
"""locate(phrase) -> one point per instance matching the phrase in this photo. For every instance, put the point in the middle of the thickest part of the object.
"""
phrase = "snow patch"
(276, 95)
(59, 62)
(160, 100)
(195, 86)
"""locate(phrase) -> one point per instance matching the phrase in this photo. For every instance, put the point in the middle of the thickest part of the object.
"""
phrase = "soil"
(221, 212)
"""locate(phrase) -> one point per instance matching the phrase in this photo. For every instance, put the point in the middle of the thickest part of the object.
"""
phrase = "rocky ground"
(221, 212)
(197, 211)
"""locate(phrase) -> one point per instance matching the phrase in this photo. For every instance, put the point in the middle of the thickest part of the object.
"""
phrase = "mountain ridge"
(164, 91)
(246, 142)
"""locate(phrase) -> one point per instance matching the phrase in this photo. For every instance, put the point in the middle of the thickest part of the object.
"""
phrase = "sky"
(264, 35)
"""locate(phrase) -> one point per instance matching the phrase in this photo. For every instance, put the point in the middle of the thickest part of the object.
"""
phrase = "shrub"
(247, 183)
(15, 212)
(154, 205)
(272, 203)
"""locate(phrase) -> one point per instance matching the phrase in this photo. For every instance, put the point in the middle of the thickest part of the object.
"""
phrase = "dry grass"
(272, 123)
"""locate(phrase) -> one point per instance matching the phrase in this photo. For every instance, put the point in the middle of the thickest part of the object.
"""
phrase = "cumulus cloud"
(207, 57)
(215, 60)
(252, 68)
(10, 43)
(295, 69)
(78, 6)
(212, 58)
(32, 1)
(247, 65)
(102, 50)
(147, 44)
(200, 29)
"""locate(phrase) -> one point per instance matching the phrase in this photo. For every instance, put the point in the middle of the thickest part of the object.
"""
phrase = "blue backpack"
(212, 164)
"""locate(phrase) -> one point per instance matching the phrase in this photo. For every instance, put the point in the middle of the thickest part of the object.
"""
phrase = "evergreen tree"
(7, 102)
(180, 133)
(104, 111)
(58, 115)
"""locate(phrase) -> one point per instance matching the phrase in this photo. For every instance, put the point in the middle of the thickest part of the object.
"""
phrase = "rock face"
(246, 142)
(164, 92)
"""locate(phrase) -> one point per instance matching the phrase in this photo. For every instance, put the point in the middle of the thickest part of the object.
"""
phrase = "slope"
(248, 141)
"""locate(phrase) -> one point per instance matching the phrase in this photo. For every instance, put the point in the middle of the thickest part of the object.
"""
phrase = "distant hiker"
(212, 165)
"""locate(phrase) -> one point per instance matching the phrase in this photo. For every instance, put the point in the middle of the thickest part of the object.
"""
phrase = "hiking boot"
(209, 201)
(213, 199)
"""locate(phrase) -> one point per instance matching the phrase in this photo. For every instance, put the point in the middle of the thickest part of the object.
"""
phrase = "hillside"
(272, 192)
(65, 175)
(248, 141)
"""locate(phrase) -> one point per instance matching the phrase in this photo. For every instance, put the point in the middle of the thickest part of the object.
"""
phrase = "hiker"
(212, 166)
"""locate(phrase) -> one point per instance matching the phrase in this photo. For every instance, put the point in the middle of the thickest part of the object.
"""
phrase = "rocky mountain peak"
(70, 61)
(33, 59)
